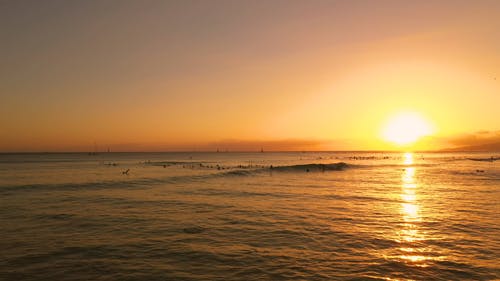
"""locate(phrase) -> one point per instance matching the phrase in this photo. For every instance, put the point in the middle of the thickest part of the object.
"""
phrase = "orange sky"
(286, 75)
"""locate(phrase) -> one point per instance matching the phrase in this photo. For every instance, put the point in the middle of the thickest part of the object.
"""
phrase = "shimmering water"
(230, 216)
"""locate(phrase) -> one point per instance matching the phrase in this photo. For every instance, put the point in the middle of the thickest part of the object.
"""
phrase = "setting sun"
(406, 128)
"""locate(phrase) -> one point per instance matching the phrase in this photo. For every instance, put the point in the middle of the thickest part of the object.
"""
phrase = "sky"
(241, 75)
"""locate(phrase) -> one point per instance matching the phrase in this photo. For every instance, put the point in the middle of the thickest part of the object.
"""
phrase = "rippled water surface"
(250, 216)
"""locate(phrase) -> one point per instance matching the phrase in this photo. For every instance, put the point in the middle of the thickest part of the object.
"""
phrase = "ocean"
(250, 216)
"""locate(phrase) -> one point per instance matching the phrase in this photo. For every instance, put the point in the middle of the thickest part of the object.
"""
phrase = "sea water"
(250, 216)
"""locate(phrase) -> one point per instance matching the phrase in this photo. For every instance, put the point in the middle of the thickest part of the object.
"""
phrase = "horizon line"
(237, 151)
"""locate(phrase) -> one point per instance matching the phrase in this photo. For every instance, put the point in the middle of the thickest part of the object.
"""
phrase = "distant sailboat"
(95, 149)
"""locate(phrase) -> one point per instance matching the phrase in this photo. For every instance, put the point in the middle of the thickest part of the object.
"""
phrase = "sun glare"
(406, 128)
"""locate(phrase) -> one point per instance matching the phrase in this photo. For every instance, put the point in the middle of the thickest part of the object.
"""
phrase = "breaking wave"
(236, 171)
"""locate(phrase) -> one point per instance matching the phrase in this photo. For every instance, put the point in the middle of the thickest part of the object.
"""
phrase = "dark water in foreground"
(228, 216)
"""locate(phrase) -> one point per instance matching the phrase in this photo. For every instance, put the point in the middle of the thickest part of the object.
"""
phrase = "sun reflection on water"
(409, 206)
(408, 158)
(410, 233)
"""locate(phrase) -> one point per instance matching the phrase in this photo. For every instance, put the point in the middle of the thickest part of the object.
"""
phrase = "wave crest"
(339, 166)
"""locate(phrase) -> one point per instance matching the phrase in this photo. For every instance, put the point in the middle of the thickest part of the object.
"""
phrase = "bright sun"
(406, 128)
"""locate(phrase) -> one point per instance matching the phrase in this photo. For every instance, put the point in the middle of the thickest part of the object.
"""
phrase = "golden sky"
(286, 75)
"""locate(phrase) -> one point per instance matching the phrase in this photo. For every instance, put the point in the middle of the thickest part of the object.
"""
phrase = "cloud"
(476, 138)
(235, 145)
(276, 145)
